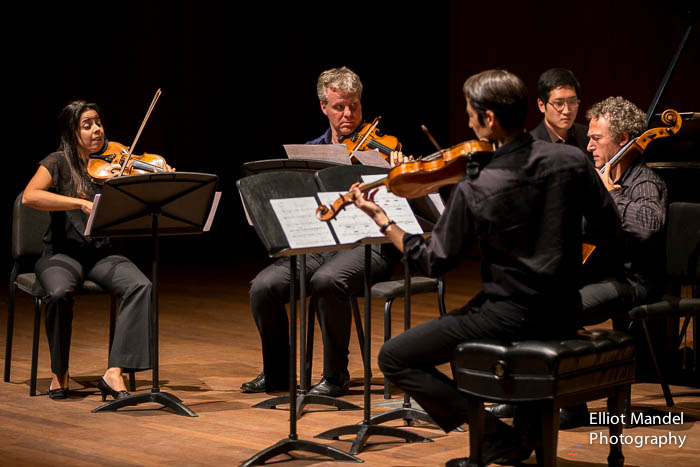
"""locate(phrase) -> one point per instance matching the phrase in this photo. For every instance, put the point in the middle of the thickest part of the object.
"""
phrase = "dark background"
(239, 79)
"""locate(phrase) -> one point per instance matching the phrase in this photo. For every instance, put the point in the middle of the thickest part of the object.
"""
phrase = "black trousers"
(60, 274)
(331, 277)
(612, 299)
(409, 360)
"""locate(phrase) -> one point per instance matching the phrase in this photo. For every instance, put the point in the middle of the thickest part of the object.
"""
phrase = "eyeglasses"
(559, 104)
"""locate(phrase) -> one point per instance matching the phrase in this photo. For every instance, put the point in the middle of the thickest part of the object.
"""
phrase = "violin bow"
(430, 137)
(138, 134)
(369, 132)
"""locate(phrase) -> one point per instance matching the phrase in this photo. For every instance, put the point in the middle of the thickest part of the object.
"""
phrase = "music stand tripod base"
(151, 206)
(287, 445)
(304, 399)
(163, 398)
(365, 429)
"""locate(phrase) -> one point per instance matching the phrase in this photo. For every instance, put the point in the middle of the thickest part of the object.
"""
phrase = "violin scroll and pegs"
(327, 213)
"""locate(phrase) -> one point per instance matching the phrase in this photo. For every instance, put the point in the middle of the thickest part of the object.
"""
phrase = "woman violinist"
(61, 185)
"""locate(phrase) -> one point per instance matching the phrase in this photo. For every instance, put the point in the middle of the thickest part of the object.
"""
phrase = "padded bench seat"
(553, 374)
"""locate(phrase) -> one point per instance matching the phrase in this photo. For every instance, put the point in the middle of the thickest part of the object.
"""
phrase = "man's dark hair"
(555, 78)
(501, 92)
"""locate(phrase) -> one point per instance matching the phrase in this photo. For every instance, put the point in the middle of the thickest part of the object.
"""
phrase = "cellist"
(622, 278)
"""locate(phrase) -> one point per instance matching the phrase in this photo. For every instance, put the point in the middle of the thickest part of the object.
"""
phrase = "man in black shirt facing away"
(524, 208)
(558, 98)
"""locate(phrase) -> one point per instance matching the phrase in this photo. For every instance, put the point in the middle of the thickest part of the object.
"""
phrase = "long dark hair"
(68, 125)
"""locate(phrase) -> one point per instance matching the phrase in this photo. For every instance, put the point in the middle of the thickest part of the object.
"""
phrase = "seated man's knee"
(324, 281)
(388, 361)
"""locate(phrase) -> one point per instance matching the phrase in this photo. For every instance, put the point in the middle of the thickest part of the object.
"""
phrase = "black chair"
(547, 375)
(683, 272)
(28, 229)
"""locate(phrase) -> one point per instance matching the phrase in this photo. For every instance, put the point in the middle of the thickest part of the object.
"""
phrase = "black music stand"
(256, 192)
(175, 203)
(295, 165)
(366, 427)
(332, 179)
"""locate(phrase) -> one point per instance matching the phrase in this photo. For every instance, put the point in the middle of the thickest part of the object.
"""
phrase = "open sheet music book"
(297, 217)
(282, 208)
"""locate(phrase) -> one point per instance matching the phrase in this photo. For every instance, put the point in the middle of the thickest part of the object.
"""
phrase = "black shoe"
(501, 410)
(330, 388)
(58, 393)
(107, 389)
(497, 453)
(255, 385)
(573, 417)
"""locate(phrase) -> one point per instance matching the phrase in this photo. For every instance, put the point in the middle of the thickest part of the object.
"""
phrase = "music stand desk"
(173, 203)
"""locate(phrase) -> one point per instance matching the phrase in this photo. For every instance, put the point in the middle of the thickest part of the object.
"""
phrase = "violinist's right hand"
(397, 158)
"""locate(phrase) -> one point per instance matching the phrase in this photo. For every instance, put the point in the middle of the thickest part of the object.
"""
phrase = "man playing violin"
(558, 98)
(524, 207)
(632, 274)
(339, 92)
(332, 276)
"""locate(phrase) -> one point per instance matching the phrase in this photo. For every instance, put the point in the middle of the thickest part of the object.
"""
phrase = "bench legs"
(549, 429)
(616, 406)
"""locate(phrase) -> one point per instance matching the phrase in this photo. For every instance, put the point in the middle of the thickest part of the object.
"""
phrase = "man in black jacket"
(558, 98)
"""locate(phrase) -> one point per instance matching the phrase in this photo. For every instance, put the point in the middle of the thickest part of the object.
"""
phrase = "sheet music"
(212, 211)
(396, 208)
(352, 225)
(324, 152)
(297, 216)
(95, 203)
(372, 158)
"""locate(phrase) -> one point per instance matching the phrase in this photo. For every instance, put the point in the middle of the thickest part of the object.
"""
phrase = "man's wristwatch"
(383, 228)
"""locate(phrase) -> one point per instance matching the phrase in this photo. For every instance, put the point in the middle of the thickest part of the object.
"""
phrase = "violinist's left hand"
(607, 178)
(367, 204)
(167, 168)
(397, 158)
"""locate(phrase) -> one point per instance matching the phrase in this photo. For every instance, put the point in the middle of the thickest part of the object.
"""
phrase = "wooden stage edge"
(208, 347)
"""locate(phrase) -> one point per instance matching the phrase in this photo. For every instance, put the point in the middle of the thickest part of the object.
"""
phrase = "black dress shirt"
(525, 209)
(578, 136)
(642, 203)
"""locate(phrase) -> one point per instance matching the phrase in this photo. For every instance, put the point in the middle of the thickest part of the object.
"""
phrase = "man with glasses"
(558, 94)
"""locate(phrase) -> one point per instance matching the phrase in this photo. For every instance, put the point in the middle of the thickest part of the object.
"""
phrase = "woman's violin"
(368, 137)
(116, 159)
(112, 162)
(417, 178)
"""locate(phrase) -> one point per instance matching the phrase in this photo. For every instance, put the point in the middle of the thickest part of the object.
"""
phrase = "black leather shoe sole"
(501, 410)
(58, 393)
(326, 388)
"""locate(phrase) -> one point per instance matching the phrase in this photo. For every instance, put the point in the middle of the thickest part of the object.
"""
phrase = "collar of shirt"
(555, 137)
(515, 144)
(325, 138)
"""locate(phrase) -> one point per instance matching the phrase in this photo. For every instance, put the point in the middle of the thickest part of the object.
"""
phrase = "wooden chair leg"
(616, 406)
(549, 434)
(35, 346)
(476, 414)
